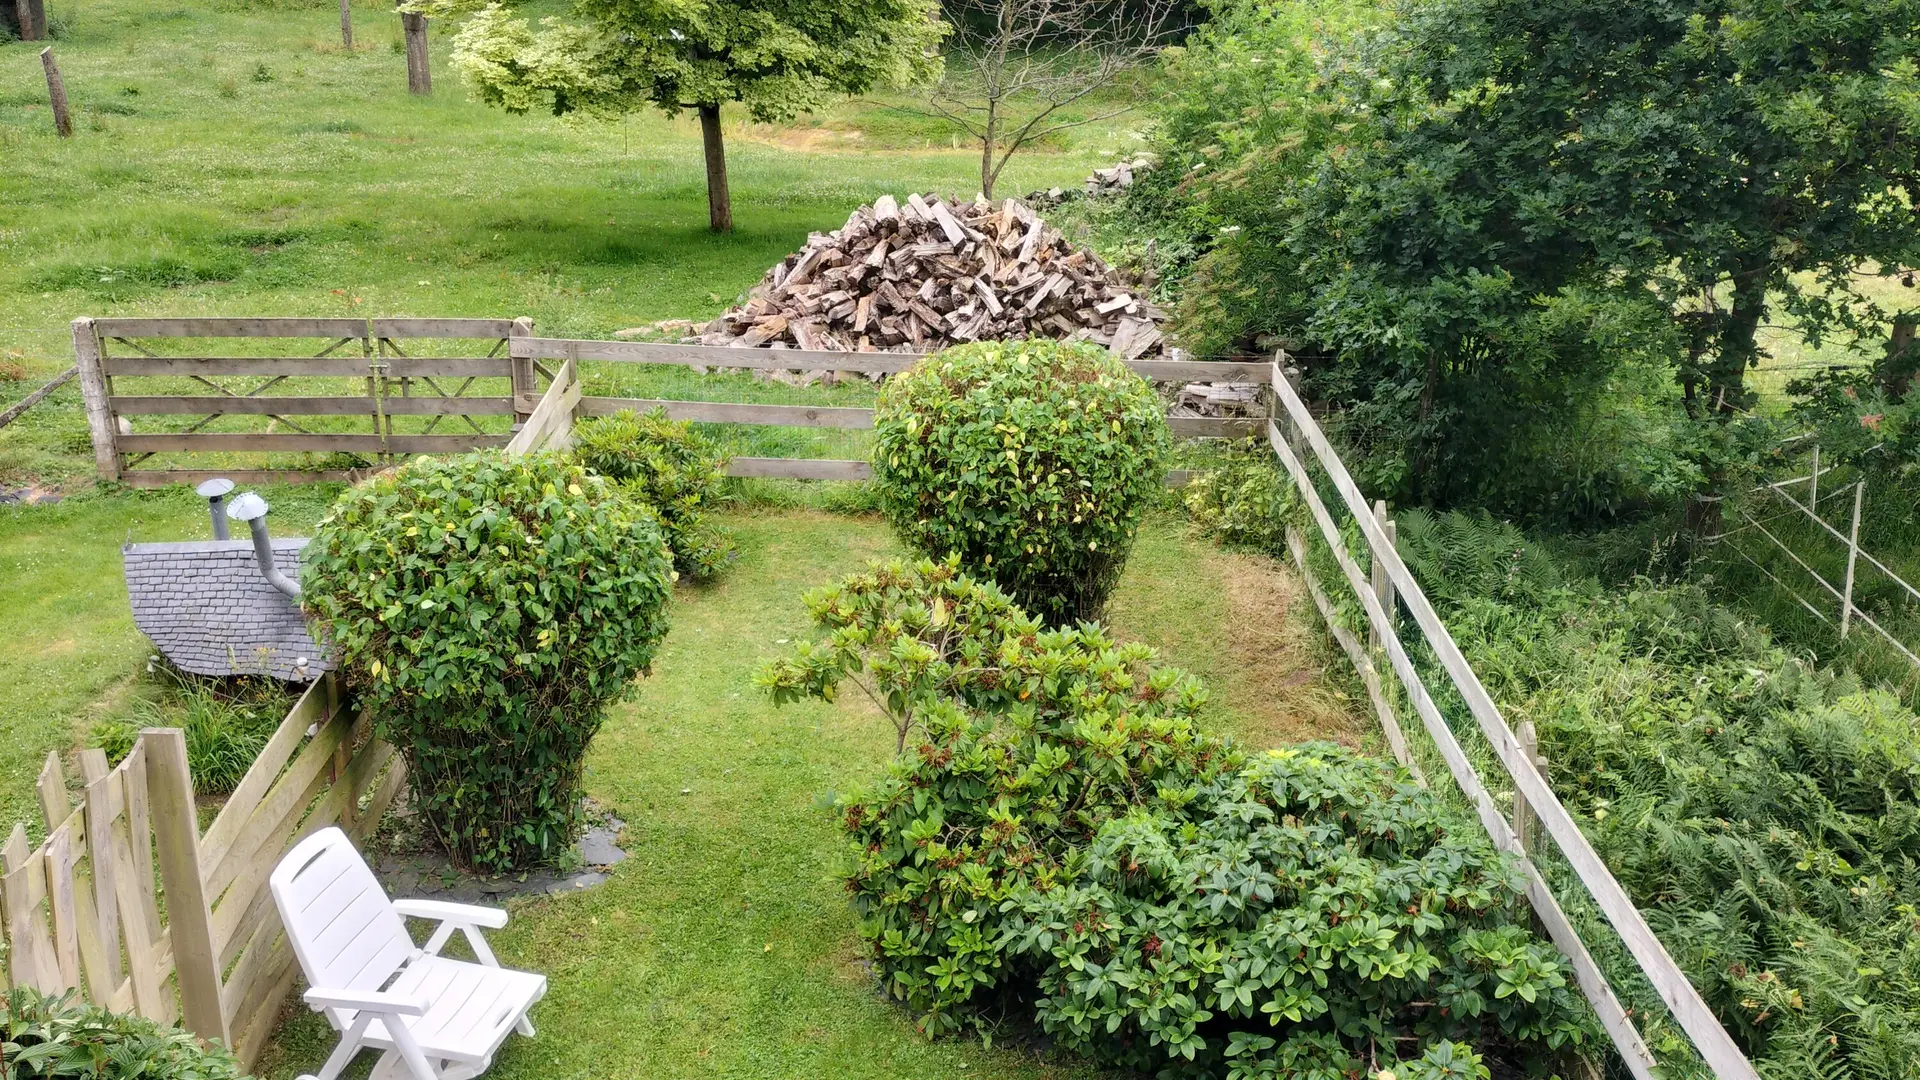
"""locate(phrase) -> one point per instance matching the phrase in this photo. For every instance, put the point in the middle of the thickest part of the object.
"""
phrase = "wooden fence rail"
(108, 352)
(129, 902)
(1303, 438)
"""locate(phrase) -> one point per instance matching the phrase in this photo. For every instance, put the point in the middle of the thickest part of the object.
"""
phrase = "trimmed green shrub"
(61, 1038)
(670, 467)
(1031, 460)
(1244, 501)
(487, 609)
(1065, 842)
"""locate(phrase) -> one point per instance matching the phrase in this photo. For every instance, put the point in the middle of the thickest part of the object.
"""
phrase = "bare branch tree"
(1015, 67)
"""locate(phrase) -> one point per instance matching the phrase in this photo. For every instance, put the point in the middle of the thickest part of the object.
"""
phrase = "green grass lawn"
(231, 159)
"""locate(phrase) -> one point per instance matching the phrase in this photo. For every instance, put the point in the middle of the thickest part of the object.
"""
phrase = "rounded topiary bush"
(486, 610)
(1031, 460)
(669, 466)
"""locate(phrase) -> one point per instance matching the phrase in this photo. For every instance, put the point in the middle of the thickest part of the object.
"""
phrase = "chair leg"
(349, 1046)
(410, 1051)
(524, 1025)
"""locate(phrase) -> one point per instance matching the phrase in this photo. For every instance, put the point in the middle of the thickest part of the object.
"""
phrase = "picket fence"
(129, 902)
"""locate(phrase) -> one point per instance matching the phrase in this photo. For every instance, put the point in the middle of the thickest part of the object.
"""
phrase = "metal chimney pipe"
(215, 492)
(252, 509)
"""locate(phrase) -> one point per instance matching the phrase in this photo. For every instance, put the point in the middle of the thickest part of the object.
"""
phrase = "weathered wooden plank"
(206, 367)
(260, 1022)
(39, 395)
(730, 356)
(313, 707)
(30, 955)
(134, 891)
(800, 468)
(189, 918)
(1212, 427)
(235, 328)
(97, 395)
(147, 479)
(51, 788)
(441, 328)
(288, 405)
(1682, 999)
(104, 912)
(293, 442)
(62, 910)
(552, 419)
(724, 412)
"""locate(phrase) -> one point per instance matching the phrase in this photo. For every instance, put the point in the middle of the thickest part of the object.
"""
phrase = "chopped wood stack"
(928, 273)
(1218, 399)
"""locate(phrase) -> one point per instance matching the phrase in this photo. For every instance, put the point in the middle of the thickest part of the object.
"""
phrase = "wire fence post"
(1813, 483)
(1853, 555)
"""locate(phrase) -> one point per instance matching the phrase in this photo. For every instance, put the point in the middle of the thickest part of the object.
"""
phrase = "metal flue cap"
(214, 488)
(247, 507)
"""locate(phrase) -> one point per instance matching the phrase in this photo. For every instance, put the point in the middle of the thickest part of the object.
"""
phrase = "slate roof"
(209, 611)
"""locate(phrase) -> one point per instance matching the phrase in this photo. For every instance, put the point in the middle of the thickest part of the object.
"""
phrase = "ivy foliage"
(670, 467)
(487, 609)
(1764, 815)
(63, 1038)
(1033, 461)
(1062, 840)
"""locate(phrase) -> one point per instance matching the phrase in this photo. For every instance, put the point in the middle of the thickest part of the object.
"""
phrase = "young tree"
(1015, 65)
(777, 57)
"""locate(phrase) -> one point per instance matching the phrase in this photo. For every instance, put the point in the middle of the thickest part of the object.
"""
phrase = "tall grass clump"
(227, 722)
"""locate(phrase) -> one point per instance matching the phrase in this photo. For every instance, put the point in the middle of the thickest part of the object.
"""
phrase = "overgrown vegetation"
(487, 610)
(1032, 461)
(1064, 841)
(1764, 814)
(226, 724)
(63, 1038)
(669, 467)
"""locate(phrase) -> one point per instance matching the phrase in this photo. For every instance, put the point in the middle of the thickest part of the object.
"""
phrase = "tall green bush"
(670, 467)
(1064, 842)
(61, 1038)
(1032, 461)
(487, 609)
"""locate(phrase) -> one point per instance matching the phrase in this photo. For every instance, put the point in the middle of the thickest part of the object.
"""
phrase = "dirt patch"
(1285, 687)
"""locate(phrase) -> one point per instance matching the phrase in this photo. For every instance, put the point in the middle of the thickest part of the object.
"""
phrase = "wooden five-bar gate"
(394, 372)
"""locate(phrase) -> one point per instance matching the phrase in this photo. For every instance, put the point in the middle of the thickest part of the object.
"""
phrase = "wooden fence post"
(419, 74)
(57, 94)
(526, 392)
(189, 919)
(1524, 822)
(346, 24)
(94, 390)
(1382, 584)
(1853, 556)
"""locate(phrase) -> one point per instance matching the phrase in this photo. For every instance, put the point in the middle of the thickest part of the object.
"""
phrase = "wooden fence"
(129, 902)
(1392, 588)
(109, 353)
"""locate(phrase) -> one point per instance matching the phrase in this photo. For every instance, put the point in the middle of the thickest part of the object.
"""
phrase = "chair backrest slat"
(341, 923)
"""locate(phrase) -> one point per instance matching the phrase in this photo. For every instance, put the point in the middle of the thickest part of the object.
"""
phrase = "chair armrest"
(458, 914)
(379, 1001)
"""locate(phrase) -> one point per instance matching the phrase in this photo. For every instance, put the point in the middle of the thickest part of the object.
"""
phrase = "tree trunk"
(1726, 389)
(57, 94)
(987, 171)
(419, 72)
(719, 201)
(1902, 363)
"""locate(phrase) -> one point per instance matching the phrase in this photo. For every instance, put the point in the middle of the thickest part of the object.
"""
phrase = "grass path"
(723, 947)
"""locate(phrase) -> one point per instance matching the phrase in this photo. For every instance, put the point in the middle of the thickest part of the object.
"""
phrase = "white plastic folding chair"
(435, 1017)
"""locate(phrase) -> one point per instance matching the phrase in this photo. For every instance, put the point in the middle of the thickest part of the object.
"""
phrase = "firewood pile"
(1100, 183)
(927, 273)
(1218, 400)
